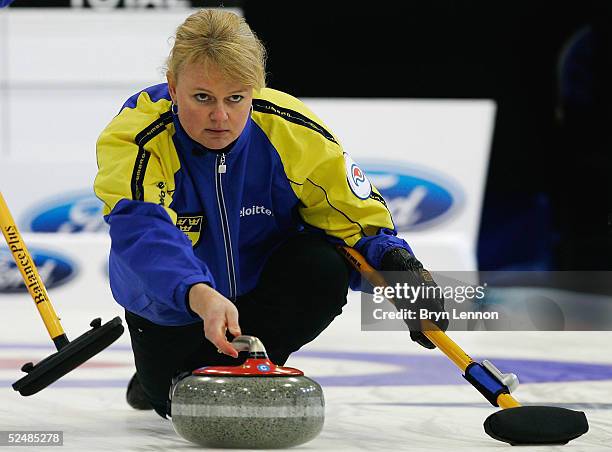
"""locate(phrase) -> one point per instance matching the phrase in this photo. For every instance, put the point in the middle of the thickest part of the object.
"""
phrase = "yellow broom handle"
(441, 340)
(28, 270)
(438, 337)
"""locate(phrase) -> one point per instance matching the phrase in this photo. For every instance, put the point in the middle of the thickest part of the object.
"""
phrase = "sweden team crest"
(191, 225)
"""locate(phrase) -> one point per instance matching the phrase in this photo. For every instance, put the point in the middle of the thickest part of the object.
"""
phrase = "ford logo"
(416, 199)
(54, 270)
(81, 212)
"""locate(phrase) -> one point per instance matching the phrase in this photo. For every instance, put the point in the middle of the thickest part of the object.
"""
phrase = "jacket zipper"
(227, 237)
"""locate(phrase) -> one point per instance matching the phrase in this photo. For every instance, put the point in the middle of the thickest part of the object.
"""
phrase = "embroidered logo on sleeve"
(356, 178)
(191, 225)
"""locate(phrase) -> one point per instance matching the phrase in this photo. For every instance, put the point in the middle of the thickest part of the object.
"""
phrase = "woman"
(224, 200)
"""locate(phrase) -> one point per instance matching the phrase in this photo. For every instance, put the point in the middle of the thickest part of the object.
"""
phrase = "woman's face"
(212, 109)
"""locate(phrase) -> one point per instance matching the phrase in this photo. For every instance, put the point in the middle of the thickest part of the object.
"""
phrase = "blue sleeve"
(374, 247)
(152, 259)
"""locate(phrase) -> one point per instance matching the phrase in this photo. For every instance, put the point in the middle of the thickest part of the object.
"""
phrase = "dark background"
(546, 64)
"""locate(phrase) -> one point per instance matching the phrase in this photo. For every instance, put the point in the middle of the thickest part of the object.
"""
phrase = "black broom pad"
(536, 425)
(55, 366)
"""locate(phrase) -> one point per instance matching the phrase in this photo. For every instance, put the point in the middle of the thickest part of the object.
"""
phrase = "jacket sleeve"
(337, 197)
(136, 188)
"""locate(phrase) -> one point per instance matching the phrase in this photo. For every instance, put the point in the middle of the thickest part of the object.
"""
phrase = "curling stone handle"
(249, 344)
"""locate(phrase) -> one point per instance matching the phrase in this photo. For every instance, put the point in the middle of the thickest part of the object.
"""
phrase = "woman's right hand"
(219, 315)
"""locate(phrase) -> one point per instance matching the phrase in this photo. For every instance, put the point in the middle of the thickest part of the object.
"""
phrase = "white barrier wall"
(65, 73)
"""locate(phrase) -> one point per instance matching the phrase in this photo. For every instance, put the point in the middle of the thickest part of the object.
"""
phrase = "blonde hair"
(220, 39)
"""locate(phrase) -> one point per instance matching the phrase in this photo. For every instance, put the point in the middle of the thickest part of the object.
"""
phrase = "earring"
(174, 108)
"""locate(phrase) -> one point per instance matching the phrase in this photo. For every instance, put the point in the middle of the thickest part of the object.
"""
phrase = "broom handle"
(438, 337)
(30, 276)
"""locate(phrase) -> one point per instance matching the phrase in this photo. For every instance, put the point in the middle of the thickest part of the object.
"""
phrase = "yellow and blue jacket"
(180, 214)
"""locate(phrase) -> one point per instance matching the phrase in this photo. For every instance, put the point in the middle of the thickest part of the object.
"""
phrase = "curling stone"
(256, 405)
